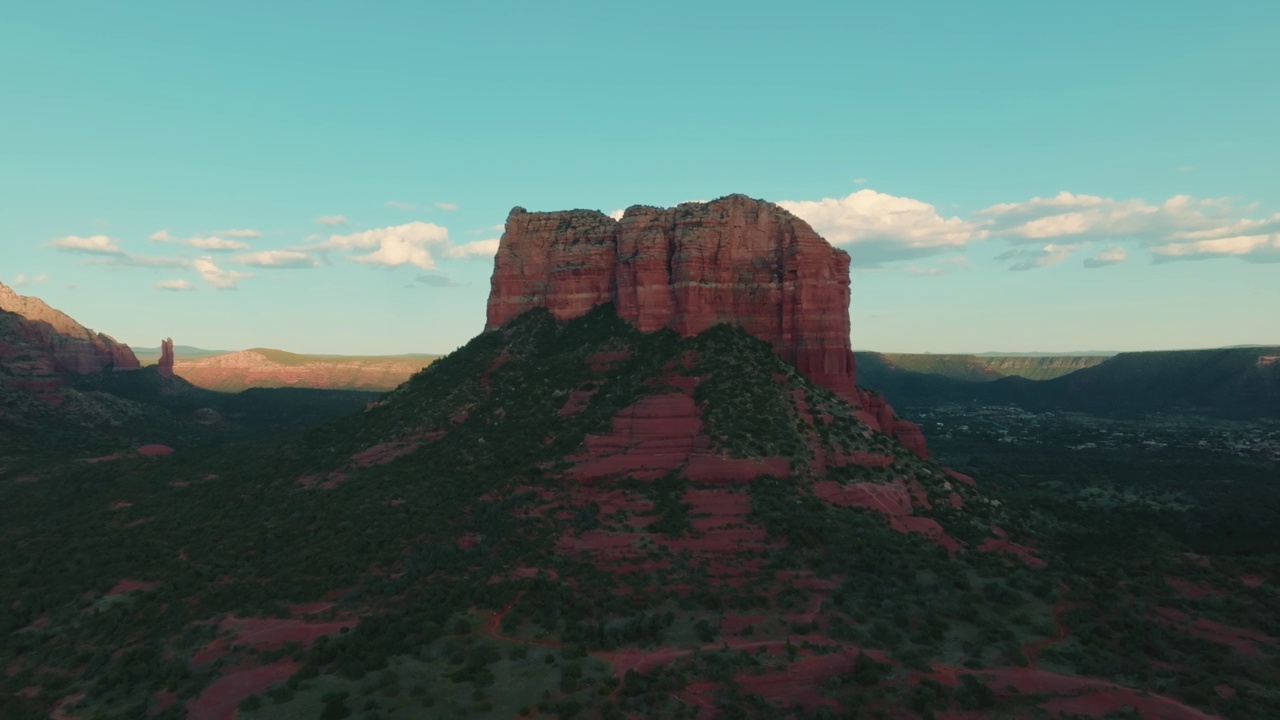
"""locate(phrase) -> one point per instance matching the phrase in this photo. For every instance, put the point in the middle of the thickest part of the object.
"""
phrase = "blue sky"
(329, 177)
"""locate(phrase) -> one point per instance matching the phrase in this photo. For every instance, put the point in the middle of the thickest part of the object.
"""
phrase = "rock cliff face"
(165, 366)
(734, 260)
(73, 348)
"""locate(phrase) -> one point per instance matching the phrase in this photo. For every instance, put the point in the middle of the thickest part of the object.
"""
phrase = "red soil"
(577, 402)
(895, 499)
(219, 700)
(891, 499)
(121, 504)
(383, 453)
(164, 699)
(311, 608)
(274, 633)
(1252, 581)
(59, 711)
(1192, 590)
(155, 450)
(128, 586)
(1001, 543)
(1032, 650)
(734, 624)
(961, 477)
(1241, 640)
(606, 360)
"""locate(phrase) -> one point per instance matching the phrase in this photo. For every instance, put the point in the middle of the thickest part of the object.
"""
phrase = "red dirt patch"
(128, 586)
(155, 450)
(961, 477)
(889, 498)
(219, 700)
(164, 699)
(1192, 590)
(605, 360)
(577, 402)
(383, 453)
(1001, 543)
(121, 504)
(274, 633)
(1239, 639)
(59, 711)
(1252, 581)
(927, 527)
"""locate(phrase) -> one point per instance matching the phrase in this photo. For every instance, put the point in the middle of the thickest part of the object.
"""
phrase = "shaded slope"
(984, 368)
(1238, 382)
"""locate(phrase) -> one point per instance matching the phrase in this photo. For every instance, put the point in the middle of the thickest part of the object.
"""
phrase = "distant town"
(1080, 431)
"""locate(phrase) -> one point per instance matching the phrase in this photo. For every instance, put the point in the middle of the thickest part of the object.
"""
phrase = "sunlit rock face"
(734, 260)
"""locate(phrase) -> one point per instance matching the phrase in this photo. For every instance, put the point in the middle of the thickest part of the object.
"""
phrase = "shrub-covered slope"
(559, 519)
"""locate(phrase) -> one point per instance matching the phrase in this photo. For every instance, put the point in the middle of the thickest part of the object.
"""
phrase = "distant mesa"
(269, 368)
(735, 260)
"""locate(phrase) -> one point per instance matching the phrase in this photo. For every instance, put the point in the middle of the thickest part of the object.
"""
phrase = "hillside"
(605, 523)
(1232, 382)
(268, 368)
(985, 368)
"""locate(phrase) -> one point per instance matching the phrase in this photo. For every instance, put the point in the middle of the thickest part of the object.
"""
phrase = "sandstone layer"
(263, 367)
(72, 347)
(735, 260)
(165, 366)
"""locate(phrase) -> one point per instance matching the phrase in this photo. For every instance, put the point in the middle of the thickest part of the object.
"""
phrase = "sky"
(332, 177)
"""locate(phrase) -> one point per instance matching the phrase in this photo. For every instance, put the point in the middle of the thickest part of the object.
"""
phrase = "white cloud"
(1027, 258)
(885, 227)
(175, 285)
(277, 259)
(161, 236)
(401, 205)
(215, 244)
(447, 206)
(242, 233)
(20, 280)
(332, 220)
(95, 245)
(1182, 226)
(216, 276)
(617, 214)
(409, 244)
(1256, 248)
(1110, 256)
(860, 181)
(477, 249)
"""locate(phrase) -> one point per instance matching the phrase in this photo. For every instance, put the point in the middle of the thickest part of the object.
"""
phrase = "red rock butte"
(734, 260)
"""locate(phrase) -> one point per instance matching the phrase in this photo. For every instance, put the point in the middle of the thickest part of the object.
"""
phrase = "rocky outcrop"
(72, 347)
(165, 365)
(734, 260)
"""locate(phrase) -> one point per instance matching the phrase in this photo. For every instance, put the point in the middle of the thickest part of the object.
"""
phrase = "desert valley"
(658, 484)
